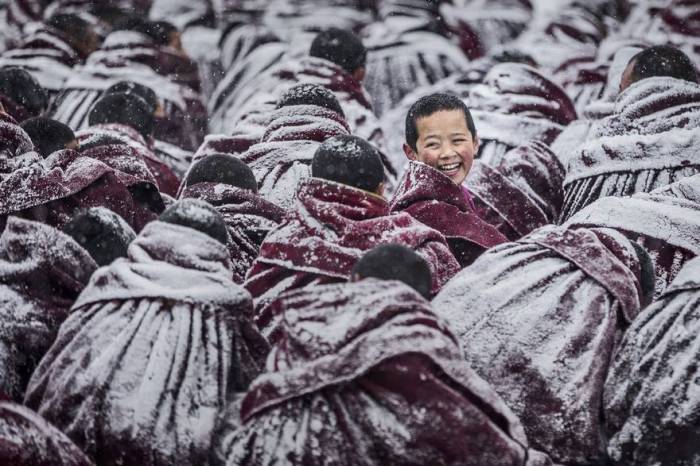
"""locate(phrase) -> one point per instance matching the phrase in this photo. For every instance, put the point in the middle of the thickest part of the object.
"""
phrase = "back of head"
(660, 61)
(21, 87)
(104, 234)
(341, 47)
(224, 169)
(125, 109)
(132, 88)
(395, 262)
(48, 135)
(80, 34)
(349, 160)
(310, 94)
(433, 103)
(161, 32)
(198, 215)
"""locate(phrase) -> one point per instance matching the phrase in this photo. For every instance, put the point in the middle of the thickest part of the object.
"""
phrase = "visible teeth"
(452, 166)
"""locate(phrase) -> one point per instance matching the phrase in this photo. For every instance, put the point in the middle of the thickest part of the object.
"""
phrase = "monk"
(102, 233)
(154, 347)
(49, 136)
(651, 410)
(650, 139)
(539, 319)
(229, 185)
(339, 214)
(441, 142)
(21, 95)
(366, 373)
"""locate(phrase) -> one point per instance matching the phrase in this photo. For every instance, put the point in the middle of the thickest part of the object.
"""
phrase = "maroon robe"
(433, 199)
(42, 271)
(649, 141)
(26, 439)
(282, 159)
(520, 194)
(517, 103)
(52, 189)
(154, 347)
(249, 218)
(365, 373)
(330, 227)
(652, 410)
(124, 139)
(14, 141)
(665, 222)
(539, 320)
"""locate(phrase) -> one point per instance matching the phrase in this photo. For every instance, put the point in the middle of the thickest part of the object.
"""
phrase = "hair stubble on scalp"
(430, 104)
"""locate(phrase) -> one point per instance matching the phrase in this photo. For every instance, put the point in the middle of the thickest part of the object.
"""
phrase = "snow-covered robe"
(539, 320)
(433, 199)
(42, 272)
(365, 373)
(123, 142)
(520, 194)
(154, 347)
(26, 439)
(51, 189)
(514, 104)
(46, 55)
(400, 60)
(185, 120)
(249, 218)
(282, 159)
(651, 139)
(665, 222)
(652, 408)
(14, 141)
(330, 227)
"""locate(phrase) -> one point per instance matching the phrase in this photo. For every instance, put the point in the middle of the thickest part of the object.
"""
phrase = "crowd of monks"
(349, 232)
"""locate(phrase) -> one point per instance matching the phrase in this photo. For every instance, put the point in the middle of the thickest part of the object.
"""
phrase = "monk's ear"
(476, 144)
(380, 190)
(410, 153)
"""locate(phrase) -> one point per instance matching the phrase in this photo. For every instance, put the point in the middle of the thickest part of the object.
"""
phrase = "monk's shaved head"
(395, 262)
(659, 61)
(102, 233)
(198, 215)
(222, 169)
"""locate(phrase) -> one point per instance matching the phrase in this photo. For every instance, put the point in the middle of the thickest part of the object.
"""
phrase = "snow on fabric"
(154, 347)
(649, 141)
(249, 218)
(538, 319)
(433, 199)
(26, 439)
(666, 223)
(14, 141)
(517, 103)
(365, 373)
(283, 157)
(327, 231)
(651, 399)
(520, 194)
(42, 272)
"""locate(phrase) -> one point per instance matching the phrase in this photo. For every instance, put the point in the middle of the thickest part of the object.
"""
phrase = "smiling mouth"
(450, 167)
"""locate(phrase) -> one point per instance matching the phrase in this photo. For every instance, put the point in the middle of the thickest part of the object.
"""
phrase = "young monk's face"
(445, 143)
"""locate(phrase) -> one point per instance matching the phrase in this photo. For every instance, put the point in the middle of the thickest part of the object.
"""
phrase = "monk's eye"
(459, 141)
(432, 145)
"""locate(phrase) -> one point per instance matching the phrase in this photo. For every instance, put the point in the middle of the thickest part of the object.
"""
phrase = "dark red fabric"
(249, 218)
(522, 193)
(122, 146)
(326, 232)
(50, 190)
(26, 439)
(42, 272)
(433, 199)
(154, 348)
(651, 407)
(649, 141)
(365, 373)
(14, 141)
(539, 319)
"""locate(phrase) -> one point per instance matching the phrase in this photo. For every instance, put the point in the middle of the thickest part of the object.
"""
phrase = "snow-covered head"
(139, 90)
(660, 60)
(351, 161)
(79, 33)
(343, 48)
(123, 109)
(310, 94)
(222, 169)
(49, 135)
(102, 233)
(198, 215)
(21, 94)
(395, 262)
(440, 132)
